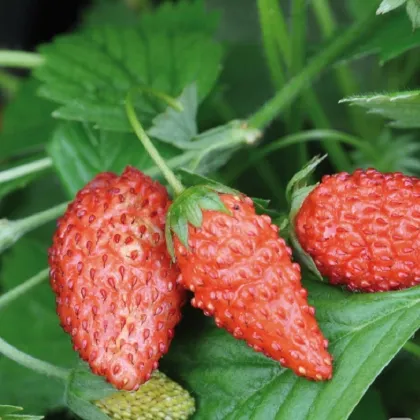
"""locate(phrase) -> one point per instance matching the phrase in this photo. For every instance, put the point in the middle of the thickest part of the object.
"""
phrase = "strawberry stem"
(25, 360)
(27, 285)
(151, 149)
(25, 169)
(13, 353)
(20, 59)
(12, 230)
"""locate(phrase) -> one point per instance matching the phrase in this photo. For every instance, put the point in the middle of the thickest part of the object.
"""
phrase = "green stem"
(285, 96)
(270, 16)
(412, 348)
(335, 151)
(25, 360)
(13, 294)
(274, 29)
(298, 42)
(20, 59)
(151, 149)
(25, 169)
(8, 82)
(13, 353)
(169, 100)
(12, 230)
(343, 74)
(305, 136)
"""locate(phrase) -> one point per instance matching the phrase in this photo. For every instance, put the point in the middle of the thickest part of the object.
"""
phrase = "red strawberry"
(242, 274)
(363, 230)
(115, 284)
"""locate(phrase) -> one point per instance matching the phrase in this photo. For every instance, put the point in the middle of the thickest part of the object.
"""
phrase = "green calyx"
(188, 209)
(296, 192)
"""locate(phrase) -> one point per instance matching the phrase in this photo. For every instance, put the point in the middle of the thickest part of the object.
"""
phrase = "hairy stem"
(12, 230)
(151, 149)
(269, 111)
(304, 136)
(20, 59)
(25, 360)
(25, 169)
(13, 294)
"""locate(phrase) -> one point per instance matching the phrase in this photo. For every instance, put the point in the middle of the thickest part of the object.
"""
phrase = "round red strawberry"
(241, 273)
(115, 284)
(362, 230)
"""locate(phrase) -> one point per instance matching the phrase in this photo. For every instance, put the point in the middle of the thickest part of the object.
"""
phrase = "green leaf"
(178, 127)
(80, 152)
(231, 381)
(389, 5)
(389, 38)
(31, 324)
(7, 412)
(90, 73)
(108, 12)
(191, 179)
(182, 16)
(395, 153)
(403, 108)
(26, 122)
(85, 384)
(413, 11)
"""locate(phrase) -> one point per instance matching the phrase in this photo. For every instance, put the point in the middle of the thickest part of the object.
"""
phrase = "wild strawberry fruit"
(362, 230)
(241, 273)
(159, 398)
(115, 285)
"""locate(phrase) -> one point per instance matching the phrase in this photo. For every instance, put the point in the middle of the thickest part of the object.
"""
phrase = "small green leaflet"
(9, 412)
(412, 8)
(413, 11)
(388, 5)
(84, 387)
(399, 153)
(402, 108)
(90, 73)
(178, 127)
(382, 39)
(230, 381)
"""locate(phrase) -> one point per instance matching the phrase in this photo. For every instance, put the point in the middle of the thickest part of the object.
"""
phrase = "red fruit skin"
(115, 286)
(242, 274)
(363, 230)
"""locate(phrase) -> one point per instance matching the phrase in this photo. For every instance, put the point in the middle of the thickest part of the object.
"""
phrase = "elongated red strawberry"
(113, 277)
(242, 274)
(363, 230)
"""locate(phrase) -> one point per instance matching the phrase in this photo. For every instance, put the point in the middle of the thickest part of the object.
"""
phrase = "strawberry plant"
(172, 144)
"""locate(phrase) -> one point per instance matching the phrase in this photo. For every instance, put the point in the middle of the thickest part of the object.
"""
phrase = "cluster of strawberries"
(119, 294)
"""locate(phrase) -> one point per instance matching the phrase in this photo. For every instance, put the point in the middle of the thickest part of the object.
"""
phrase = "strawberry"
(159, 398)
(362, 230)
(241, 273)
(115, 286)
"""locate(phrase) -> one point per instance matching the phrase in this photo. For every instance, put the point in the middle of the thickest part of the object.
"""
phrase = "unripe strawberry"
(241, 273)
(362, 230)
(158, 398)
(115, 284)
